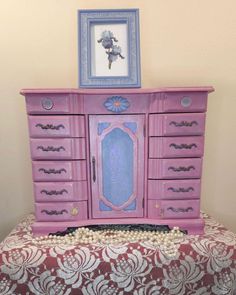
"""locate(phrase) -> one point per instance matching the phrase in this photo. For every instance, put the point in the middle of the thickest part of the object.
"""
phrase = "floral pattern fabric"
(204, 264)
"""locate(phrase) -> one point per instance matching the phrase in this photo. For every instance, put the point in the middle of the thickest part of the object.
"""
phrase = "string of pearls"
(166, 241)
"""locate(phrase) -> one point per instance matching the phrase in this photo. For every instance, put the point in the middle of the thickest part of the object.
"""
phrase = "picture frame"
(109, 48)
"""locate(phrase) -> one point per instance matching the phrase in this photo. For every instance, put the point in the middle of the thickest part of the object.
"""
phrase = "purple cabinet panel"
(102, 156)
(59, 170)
(174, 168)
(56, 126)
(176, 147)
(57, 149)
(176, 124)
(173, 209)
(61, 191)
(174, 189)
(66, 211)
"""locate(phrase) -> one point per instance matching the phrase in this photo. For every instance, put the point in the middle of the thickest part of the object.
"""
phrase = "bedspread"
(204, 264)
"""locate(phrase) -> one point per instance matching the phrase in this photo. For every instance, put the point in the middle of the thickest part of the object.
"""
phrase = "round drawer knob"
(186, 101)
(74, 211)
(47, 103)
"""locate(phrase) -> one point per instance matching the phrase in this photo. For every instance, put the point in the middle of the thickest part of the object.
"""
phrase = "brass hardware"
(74, 211)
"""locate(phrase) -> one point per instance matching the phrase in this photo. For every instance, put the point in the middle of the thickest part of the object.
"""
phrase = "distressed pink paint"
(59, 171)
(174, 189)
(60, 191)
(176, 124)
(56, 126)
(168, 102)
(65, 211)
(176, 147)
(174, 168)
(168, 155)
(57, 149)
(173, 209)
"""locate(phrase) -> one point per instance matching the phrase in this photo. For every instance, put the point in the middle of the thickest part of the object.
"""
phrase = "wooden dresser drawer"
(61, 149)
(174, 209)
(116, 104)
(181, 101)
(176, 124)
(173, 147)
(60, 191)
(59, 171)
(54, 103)
(174, 189)
(56, 126)
(174, 168)
(65, 211)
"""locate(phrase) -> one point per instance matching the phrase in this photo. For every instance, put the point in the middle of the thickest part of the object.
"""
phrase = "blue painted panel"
(103, 207)
(117, 166)
(132, 126)
(131, 207)
(102, 126)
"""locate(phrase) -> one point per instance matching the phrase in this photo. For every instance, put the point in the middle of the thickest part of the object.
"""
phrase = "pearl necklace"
(166, 241)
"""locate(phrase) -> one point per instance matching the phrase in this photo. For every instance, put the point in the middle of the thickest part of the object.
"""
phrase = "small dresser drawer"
(174, 168)
(116, 103)
(54, 103)
(60, 149)
(173, 147)
(65, 211)
(60, 191)
(59, 171)
(56, 126)
(173, 209)
(174, 189)
(176, 124)
(179, 102)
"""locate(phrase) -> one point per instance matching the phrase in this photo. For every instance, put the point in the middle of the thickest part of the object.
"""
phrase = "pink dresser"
(117, 156)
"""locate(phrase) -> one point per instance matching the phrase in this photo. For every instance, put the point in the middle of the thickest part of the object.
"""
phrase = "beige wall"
(183, 43)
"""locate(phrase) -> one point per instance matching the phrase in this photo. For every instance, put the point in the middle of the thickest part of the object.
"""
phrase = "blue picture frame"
(109, 48)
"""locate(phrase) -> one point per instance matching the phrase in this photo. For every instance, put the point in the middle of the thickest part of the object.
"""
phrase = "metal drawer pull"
(50, 126)
(50, 193)
(50, 148)
(54, 212)
(183, 146)
(94, 168)
(52, 171)
(181, 189)
(182, 210)
(181, 168)
(183, 123)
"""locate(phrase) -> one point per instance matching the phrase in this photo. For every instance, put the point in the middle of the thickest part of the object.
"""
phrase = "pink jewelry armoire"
(117, 156)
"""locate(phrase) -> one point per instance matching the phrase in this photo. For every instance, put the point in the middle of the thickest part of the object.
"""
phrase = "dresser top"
(117, 90)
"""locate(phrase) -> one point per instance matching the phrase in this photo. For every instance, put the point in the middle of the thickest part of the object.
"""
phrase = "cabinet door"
(117, 165)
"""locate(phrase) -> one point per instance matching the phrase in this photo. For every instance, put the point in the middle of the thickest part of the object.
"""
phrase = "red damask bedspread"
(203, 265)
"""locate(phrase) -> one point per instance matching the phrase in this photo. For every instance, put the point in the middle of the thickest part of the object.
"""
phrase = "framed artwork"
(109, 50)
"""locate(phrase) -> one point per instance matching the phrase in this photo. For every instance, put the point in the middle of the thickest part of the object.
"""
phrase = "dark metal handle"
(182, 210)
(50, 148)
(52, 171)
(50, 126)
(181, 189)
(183, 146)
(181, 168)
(94, 168)
(54, 212)
(50, 193)
(183, 123)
